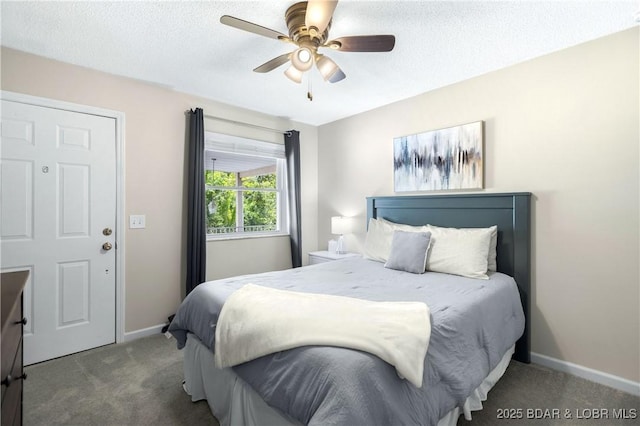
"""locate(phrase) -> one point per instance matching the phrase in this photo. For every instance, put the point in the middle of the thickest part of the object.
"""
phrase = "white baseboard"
(601, 377)
(138, 334)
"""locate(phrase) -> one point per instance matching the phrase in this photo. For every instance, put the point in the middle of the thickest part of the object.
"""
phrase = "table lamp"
(340, 226)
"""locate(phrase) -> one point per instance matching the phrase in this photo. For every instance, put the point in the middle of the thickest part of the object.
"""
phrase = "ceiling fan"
(309, 23)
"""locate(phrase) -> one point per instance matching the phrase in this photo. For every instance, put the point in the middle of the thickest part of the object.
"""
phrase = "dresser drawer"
(12, 394)
(12, 406)
(11, 338)
(12, 285)
(17, 415)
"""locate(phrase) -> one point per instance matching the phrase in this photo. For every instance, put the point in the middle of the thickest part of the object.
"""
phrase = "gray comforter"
(473, 323)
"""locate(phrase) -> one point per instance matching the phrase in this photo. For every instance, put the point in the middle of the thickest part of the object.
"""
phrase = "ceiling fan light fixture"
(294, 74)
(302, 59)
(327, 67)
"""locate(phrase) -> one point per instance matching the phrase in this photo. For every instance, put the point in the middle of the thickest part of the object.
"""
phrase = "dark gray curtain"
(196, 229)
(292, 152)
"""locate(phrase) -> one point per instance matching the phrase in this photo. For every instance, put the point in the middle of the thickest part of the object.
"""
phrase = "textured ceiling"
(183, 46)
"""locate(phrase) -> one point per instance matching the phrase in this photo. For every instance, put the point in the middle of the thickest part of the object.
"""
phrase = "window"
(245, 184)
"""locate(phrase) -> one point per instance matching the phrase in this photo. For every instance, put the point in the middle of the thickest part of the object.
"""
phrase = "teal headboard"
(511, 212)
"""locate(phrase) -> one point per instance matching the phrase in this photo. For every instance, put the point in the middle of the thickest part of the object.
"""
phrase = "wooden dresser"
(12, 374)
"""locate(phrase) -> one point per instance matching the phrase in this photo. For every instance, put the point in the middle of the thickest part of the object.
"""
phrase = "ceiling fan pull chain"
(309, 94)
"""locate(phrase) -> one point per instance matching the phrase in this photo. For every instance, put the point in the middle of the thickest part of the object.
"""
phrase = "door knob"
(106, 246)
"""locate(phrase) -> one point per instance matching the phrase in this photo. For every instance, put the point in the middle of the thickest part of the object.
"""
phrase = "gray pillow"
(409, 251)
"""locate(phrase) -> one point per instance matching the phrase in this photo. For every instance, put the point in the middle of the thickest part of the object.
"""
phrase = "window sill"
(245, 236)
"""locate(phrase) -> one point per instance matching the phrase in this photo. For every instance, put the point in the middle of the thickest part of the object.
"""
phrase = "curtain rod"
(255, 126)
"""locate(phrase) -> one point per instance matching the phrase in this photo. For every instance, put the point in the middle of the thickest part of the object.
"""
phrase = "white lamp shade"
(302, 59)
(293, 74)
(327, 67)
(340, 225)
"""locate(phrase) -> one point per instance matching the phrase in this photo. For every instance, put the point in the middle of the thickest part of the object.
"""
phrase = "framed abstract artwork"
(443, 159)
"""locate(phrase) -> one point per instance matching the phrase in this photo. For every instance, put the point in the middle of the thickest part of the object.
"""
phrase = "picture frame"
(438, 160)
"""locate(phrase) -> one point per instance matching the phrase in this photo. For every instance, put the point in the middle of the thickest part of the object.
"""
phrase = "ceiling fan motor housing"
(295, 17)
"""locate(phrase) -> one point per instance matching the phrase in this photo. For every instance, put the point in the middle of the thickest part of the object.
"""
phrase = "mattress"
(474, 323)
(233, 402)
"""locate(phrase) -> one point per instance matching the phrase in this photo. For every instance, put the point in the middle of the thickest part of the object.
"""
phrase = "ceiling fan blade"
(274, 63)
(319, 14)
(251, 27)
(370, 43)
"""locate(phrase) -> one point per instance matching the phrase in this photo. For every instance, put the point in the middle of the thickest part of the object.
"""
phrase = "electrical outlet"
(136, 221)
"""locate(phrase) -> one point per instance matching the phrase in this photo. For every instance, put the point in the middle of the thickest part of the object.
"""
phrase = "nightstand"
(316, 257)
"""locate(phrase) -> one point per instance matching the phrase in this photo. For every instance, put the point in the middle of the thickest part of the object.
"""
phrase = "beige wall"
(155, 177)
(564, 127)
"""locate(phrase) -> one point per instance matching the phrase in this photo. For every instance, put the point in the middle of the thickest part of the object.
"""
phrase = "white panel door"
(58, 208)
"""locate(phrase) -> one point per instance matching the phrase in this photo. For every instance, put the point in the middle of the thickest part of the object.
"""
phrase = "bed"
(318, 385)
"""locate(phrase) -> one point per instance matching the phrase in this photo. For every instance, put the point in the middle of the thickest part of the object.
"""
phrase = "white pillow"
(459, 251)
(493, 246)
(404, 227)
(377, 245)
(378, 242)
(493, 249)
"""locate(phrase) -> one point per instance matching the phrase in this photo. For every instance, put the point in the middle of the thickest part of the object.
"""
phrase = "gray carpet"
(135, 383)
(529, 390)
(139, 383)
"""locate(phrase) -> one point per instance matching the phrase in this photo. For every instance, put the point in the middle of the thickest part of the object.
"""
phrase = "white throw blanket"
(257, 321)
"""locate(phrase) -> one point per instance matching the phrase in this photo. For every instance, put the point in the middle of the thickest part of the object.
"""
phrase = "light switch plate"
(136, 221)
